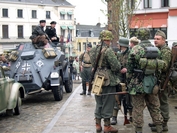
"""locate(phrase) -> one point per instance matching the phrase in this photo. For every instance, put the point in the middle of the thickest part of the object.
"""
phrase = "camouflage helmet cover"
(124, 42)
(106, 35)
(143, 33)
(174, 44)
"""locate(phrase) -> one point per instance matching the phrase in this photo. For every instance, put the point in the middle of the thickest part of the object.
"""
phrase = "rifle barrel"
(115, 93)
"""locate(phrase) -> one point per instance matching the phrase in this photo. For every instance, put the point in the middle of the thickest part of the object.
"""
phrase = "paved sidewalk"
(77, 116)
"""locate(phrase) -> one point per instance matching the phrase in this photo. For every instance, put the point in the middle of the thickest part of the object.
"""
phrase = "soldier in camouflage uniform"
(85, 68)
(105, 104)
(122, 57)
(136, 89)
(159, 41)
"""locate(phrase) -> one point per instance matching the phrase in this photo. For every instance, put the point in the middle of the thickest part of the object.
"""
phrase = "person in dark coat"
(51, 32)
(38, 35)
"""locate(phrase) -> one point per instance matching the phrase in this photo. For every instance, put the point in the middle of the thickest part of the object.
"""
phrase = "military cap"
(42, 21)
(89, 45)
(160, 33)
(174, 44)
(124, 42)
(134, 39)
(53, 22)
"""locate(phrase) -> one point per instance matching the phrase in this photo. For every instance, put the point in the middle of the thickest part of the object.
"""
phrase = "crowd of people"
(139, 68)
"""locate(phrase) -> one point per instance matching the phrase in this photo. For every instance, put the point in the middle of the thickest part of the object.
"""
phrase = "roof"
(43, 2)
(85, 30)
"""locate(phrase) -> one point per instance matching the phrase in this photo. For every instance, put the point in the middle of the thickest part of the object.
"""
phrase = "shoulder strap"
(103, 51)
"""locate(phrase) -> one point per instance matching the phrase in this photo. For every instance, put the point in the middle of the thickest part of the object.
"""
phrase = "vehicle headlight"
(54, 75)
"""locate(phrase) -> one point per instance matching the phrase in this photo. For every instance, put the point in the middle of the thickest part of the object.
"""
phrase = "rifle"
(174, 57)
(48, 37)
(96, 65)
(114, 93)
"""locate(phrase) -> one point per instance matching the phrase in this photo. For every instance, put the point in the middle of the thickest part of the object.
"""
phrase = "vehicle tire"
(58, 91)
(69, 84)
(18, 105)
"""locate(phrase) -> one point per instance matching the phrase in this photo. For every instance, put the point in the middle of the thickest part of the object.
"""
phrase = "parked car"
(11, 93)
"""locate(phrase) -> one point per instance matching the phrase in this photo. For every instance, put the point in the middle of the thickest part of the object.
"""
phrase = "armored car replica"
(41, 68)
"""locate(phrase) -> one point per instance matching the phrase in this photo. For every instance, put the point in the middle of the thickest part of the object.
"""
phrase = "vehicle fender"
(16, 87)
(66, 74)
(55, 81)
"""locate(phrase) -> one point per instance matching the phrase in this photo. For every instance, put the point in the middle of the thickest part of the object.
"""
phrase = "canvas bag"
(49, 53)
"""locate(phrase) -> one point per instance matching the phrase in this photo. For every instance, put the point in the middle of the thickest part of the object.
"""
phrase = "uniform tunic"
(51, 32)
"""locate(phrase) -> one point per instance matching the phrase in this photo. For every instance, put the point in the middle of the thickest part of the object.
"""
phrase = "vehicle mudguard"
(16, 87)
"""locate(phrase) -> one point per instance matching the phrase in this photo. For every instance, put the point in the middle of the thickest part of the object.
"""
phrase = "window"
(20, 13)
(165, 3)
(78, 33)
(33, 26)
(20, 31)
(48, 14)
(5, 31)
(34, 14)
(62, 32)
(4, 12)
(79, 47)
(131, 4)
(62, 16)
(69, 17)
(84, 46)
(147, 3)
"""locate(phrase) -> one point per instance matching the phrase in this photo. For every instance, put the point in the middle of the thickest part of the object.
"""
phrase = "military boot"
(151, 125)
(164, 128)
(98, 125)
(89, 89)
(114, 118)
(108, 128)
(138, 130)
(84, 88)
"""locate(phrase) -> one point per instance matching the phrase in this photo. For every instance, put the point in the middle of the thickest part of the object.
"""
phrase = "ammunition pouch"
(104, 73)
(13, 56)
(150, 84)
(49, 53)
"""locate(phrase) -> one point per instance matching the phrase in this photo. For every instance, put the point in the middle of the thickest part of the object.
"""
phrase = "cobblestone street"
(74, 114)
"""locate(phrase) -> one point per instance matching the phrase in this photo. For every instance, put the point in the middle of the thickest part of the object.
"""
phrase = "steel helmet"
(106, 35)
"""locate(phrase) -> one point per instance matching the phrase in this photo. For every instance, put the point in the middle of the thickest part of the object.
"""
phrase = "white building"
(19, 17)
(157, 14)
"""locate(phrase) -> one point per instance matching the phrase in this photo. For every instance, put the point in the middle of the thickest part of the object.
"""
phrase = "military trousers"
(40, 39)
(105, 104)
(139, 102)
(86, 74)
(164, 105)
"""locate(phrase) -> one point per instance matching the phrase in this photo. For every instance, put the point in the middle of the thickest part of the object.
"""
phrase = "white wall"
(28, 22)
(173, 3)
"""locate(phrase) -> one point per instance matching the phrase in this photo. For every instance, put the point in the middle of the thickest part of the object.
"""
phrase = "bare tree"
(120, 13)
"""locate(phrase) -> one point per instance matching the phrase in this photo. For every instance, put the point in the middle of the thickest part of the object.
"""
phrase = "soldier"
(38, 34)
(136, 88)
(159, 41)
(122, 57)
(108, 62)
(133, 41)
(51, 32)
(85, 68)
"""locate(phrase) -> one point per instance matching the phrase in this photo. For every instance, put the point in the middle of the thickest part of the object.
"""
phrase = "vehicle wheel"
(58, 91)
(18, 105)
(9, 112)
(69, 84)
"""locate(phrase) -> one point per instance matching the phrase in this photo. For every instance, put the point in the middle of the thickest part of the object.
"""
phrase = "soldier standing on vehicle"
(39, 35)
(159, 41)
(137, 88)
(108, 63)
(51, 32)
(85, 69)
(122, 57)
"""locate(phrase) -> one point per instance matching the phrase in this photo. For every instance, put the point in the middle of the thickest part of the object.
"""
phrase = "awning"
(62, 12)
(159, 23)
(151, 23)
(63, 27)
(70, 27)
(70, 13)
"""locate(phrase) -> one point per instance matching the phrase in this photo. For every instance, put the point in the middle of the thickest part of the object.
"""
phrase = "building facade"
(86, 34)
(19, 17)
(156, 14)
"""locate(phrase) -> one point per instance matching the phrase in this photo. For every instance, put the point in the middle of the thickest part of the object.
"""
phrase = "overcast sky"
(88, 11)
